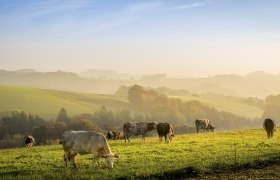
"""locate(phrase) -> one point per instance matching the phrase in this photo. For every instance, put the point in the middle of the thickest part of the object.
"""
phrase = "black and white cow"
(139, 128)
(113, 135)
(204, 124)
(86, 142)
(29, 141)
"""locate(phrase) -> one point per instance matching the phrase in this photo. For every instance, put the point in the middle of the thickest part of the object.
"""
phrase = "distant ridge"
(107, 73)
(255, 84)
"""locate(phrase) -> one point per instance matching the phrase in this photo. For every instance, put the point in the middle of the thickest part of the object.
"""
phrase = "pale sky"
(176, 37)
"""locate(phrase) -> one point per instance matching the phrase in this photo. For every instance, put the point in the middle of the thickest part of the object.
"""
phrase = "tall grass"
(205, 153)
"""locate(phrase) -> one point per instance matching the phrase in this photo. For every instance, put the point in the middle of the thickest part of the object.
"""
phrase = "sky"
(176, 37)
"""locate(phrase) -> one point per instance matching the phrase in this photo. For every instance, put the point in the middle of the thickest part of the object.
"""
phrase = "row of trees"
(146, 105)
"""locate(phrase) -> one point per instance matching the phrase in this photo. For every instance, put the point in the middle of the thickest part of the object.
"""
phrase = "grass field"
(47, 103)
(187, 154)
(224, 104)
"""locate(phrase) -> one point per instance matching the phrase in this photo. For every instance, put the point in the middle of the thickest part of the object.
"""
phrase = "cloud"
(192, 5)
(187, 6)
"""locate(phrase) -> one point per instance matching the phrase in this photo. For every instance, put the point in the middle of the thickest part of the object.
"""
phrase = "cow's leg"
(160, 138)
(73, 154)
(128, 137)
(165, 138)
(66, 157)
(96, 159)
(143, 137)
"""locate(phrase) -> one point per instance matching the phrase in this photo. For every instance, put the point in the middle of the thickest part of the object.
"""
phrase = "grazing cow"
(269, 127)
(86, 142)
(204, 124)
(166, 130)
(29, 141)
(140, 128)
(113, 135)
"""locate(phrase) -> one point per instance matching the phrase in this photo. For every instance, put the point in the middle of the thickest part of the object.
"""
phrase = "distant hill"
(47, 103)
(256, 84)
(109, 74)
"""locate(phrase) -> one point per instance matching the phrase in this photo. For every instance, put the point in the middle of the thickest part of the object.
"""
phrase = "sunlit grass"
(206, 152)
(47, 103)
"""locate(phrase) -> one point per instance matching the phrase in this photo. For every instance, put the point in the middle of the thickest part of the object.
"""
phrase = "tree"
(62, 116)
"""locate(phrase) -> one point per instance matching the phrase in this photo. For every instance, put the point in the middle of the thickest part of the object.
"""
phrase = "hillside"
(206, 155)
(237, 107)
(47, 103)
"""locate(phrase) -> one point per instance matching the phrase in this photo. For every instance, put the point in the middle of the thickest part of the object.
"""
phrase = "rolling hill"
(224, 104)
(47, 103)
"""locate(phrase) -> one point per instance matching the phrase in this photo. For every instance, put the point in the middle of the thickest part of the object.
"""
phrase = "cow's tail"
(172, 131)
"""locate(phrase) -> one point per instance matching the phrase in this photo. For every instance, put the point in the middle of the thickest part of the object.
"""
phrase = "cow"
(204, 124)
(139, 128)
(86, 142)
(113, 135)
(165, 130)
(29, 141)
(269, 127)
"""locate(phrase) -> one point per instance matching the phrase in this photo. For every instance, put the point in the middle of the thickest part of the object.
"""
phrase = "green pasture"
(224, 104)
(47, 103)
(202, 153)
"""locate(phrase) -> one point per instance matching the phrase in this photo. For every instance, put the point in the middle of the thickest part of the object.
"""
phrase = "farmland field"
(47, 103)
(189, 155)
(224, 104)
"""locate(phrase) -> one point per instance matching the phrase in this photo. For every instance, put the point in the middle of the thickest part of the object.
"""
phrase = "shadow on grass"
(218, 168)
(176, 174)
(15, 173)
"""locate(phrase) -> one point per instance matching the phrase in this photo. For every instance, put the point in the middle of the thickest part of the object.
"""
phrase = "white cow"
(86, 142)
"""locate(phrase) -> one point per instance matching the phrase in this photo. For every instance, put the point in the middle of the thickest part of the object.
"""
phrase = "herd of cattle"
(95, 143)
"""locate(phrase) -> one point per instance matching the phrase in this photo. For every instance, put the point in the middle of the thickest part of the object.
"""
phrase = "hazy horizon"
(186, 38)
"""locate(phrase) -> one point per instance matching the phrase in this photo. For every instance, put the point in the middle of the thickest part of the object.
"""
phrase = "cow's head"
(155, 124)
(212, 128)
(169, 137)
(110, 159)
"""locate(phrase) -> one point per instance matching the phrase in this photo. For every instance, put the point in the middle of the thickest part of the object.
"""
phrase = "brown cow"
(269, 127)
(140, 128)
(166, 130)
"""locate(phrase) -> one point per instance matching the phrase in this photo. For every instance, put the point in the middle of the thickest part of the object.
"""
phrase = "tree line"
(147, 105)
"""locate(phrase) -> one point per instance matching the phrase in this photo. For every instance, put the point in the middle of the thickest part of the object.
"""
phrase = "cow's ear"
(116, 156)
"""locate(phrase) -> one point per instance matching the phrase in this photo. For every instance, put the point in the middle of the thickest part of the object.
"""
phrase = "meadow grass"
(205, 153)
(224, 104)
(47, 103)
